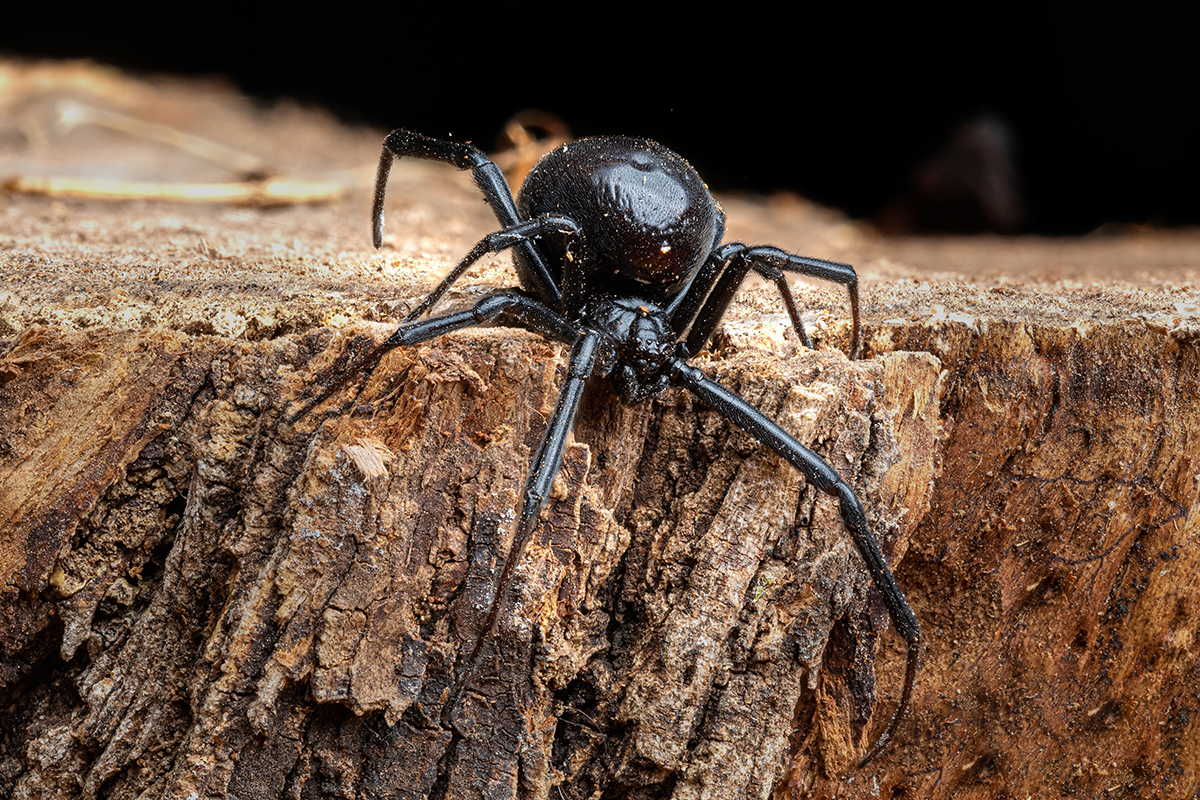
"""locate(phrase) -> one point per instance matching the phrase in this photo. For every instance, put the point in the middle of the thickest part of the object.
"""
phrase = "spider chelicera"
(617, 244)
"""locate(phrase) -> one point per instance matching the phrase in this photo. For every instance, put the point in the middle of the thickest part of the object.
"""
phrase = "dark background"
(841, 107)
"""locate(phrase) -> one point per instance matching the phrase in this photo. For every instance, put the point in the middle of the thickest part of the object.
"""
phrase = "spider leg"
(535, 277)
(727, 267)
(507, 306)
(729, 405)
(494, 243)
(683, 309)
(537, 488)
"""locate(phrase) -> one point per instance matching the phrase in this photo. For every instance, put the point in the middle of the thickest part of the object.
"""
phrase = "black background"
(839, 106)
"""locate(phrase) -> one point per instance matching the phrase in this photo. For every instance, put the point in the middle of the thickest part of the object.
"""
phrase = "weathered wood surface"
(1059, 564)
(200, 601)
(259, 616)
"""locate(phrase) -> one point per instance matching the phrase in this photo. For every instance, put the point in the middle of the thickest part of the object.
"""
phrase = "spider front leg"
(528, 313)
(532, 270)
(520, 233)
(729, 405)
(728, 267)
(544, 468)
(509, 306)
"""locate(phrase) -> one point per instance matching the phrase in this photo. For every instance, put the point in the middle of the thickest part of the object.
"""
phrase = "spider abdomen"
(647, 216)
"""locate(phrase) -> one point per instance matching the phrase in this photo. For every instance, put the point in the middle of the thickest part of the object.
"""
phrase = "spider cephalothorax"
(636, 337)
(617, 245)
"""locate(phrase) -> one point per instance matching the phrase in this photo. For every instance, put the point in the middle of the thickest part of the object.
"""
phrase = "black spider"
(617, 245)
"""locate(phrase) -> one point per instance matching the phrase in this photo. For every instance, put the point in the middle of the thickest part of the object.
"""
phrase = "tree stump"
(200, 600)
(254, 609)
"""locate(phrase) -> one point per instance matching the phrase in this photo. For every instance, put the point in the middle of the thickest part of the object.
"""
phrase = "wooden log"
(201, 601)
(1057, 563)
(671, 616)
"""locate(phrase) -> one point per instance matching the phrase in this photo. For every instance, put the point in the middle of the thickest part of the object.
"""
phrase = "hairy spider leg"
(516, 234)
(517, 310)
(537, 489)
(547, 321)
(683, 309)
(815, 469)
(533, 274)
(502, 307)
(709, 296)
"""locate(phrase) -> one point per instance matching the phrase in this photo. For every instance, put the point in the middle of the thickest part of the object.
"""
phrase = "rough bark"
(200, 601)
(1058, 564)
(237, 608)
